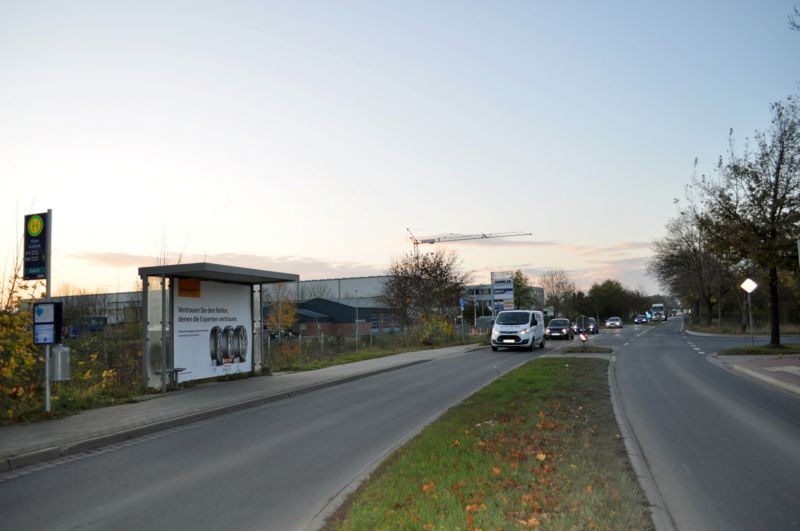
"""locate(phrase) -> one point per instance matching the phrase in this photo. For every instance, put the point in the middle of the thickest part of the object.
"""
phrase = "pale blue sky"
(306, 136)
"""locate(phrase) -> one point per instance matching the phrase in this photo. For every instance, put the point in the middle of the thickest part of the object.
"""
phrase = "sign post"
(749, 286)
(461, 304)
(37, 266)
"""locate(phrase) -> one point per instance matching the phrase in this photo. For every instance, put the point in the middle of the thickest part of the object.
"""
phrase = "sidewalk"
(27, 444)
(782, 372)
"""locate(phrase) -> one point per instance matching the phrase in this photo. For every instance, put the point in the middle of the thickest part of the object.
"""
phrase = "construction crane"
(460, 237)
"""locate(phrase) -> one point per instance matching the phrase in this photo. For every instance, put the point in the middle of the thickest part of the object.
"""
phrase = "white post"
(750, 311)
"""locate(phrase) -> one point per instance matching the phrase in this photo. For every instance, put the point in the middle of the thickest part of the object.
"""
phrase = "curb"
(657, 507)
(758, 375)
(54, 452)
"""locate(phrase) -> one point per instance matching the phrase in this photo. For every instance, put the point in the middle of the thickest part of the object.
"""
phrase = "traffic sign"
(36, 246)
(748, 285)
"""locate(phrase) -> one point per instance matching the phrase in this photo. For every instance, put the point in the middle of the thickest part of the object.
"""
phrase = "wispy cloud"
(568, 248)
(307, 268)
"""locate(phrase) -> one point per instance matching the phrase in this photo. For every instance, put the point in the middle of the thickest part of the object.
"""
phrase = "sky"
(307, 137)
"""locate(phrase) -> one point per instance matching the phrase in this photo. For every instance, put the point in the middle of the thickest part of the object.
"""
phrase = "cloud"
(307, 268)
(568, 248)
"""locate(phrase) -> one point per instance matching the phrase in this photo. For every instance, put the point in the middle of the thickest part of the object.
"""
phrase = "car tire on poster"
(215, 345)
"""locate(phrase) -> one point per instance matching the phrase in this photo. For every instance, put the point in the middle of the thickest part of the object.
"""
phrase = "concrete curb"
(758, 375)
(658, 508)
(751, 374)
(75, 447)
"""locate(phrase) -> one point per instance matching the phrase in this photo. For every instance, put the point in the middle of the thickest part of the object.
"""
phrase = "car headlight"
(525, 332)
(495, 333)
(564, 331)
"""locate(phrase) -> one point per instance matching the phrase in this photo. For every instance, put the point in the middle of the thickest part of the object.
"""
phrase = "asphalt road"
(279, 466)
(724, 451)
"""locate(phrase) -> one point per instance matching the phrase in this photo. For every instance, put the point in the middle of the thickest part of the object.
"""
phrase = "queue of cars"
(525, 328)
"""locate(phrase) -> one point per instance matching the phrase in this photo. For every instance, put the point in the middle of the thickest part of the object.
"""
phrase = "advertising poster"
(212, 329)
(503, 290)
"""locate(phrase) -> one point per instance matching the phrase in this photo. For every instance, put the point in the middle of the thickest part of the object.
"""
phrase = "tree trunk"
(709, 312)
(775, 330)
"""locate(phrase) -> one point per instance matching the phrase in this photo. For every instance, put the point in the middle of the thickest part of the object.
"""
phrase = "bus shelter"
(201, 321)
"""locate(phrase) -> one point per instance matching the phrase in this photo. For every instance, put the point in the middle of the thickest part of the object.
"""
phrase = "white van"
(518, 329)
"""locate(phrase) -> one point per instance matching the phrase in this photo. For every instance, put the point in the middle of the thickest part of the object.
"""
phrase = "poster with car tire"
(212, 322)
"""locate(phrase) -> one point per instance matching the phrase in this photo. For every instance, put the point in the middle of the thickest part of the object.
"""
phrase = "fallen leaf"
(475, 507)
(428, 487)
(496, 471)
(533, 522)
(456, 443)
(540, 456)
(589, 489)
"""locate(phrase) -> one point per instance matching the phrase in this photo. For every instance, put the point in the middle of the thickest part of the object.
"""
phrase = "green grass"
(539, 447)
(729, 327)
(588, 348)
(761, 350)
(368, 354)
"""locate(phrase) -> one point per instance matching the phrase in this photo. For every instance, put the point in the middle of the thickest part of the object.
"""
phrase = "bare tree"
(424, 286)
(685, 264)
(794, 19)
(753, 209)
(558, 289)
(312, 290)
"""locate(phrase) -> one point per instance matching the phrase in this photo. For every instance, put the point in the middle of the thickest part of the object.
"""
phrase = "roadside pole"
(749, 286)
(37, 265)
(48, 282)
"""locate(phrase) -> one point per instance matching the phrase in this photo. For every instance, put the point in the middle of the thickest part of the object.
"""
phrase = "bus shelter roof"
(218, 272)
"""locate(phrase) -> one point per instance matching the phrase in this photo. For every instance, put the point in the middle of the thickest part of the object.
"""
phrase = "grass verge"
(368, 354)
(588, 348)
(761, 350)
(733, 328)
(538, 447)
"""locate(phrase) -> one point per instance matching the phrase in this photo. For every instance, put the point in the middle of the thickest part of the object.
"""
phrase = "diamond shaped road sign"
(748, 285)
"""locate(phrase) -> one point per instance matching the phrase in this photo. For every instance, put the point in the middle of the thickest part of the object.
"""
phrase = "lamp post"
(749, 286)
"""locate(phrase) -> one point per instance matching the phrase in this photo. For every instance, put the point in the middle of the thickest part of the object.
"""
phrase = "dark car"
(640, 319)
(557, 329)
(582, 324)
(585, 325)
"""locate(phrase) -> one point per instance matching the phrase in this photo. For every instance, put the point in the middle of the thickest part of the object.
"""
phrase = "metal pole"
(356, 320)
(462, 325)
(750, 311)
(163, 334)
(145, 340)
(48, 281)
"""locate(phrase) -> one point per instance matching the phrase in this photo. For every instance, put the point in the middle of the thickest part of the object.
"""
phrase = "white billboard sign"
(212, 329)
(503, 290)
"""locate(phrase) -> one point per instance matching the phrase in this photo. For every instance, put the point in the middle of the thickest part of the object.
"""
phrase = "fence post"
(370, 337)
